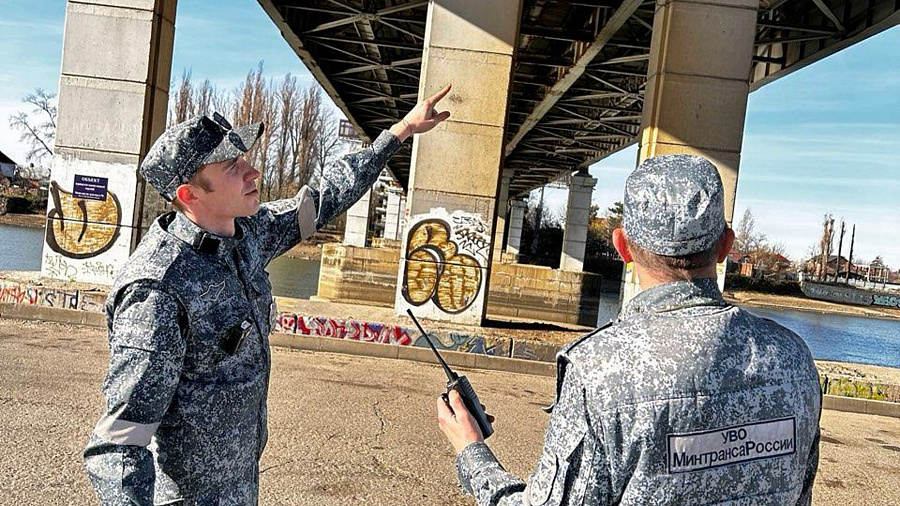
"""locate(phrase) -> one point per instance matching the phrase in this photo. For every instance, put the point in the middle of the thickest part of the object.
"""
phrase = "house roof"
(6, 159)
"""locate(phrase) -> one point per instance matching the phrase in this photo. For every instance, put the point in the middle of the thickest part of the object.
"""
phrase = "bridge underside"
(579, 73)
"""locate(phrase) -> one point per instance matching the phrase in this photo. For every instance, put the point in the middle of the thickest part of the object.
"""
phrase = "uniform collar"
(178, 225)
(674, 295)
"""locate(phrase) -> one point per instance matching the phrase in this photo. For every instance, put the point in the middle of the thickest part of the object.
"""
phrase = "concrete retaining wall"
(36, 302)
(369, 276)
(363, 275)
(323, 333)
(544, 294)
(848, 295)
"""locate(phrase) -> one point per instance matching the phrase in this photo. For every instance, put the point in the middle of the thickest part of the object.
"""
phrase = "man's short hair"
(676, 266)
(198, 179)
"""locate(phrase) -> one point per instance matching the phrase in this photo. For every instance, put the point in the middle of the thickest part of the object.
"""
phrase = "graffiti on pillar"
(82, 227)
(445, 256)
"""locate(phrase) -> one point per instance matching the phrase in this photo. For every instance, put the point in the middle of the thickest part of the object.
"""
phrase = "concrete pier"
(447, 247)
(395, 214)
(113, 96)
(578, 215)
(356, 227)
(698, 82)
(517, 209)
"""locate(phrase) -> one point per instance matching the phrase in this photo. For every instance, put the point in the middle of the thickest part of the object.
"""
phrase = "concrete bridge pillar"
(517, 209)
(578, 215)
(502, 214)
(697, 87)
(356, 227)
(113, 98)
(396, 208)
(698, 82)
(455, 171)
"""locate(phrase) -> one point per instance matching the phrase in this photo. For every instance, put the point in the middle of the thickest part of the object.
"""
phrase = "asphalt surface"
(343, 429)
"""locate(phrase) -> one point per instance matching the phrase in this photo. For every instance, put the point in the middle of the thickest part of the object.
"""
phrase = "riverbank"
(306, 251)
(767, 300)
(23, 220)
(869, 373)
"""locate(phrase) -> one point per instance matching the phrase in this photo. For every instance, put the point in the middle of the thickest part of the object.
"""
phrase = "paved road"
(343, 429)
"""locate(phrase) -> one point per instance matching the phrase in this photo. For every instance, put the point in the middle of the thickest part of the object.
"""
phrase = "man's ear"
(621, 245)
(186, 194)
(725, 244)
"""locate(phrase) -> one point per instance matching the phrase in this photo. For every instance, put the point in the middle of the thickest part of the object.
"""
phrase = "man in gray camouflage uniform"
(684, 399)
(190, 313)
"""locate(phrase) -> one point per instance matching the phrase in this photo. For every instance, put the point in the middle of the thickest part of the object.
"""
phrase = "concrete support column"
(578, 214)
(698, 83)
(393, 218)
(113, 97)
(697, 87)
(356, 228)
(447, 245)
(517, 210)
(502, 214)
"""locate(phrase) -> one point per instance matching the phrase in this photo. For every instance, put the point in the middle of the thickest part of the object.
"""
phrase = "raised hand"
(423, 117)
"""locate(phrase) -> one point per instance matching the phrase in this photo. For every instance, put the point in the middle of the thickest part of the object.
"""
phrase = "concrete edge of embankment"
(413, 353)
(301, 342)
(416, 354)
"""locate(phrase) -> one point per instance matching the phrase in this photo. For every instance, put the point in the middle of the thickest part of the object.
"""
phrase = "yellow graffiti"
(82, 228)
(436, 271)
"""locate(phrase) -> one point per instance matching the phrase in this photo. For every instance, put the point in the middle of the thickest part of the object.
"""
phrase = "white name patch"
(721, 447)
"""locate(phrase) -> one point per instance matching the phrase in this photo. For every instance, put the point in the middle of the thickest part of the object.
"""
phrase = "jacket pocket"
(558, 469)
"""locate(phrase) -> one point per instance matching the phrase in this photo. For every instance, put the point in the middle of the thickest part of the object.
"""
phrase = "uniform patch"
(731, 445)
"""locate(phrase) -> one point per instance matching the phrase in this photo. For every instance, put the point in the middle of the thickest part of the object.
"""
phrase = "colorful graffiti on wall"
(886, 300)
(373, 332)
(82, 228)
(445, 258)
(321, 326)
(23, 294)
(848, 295)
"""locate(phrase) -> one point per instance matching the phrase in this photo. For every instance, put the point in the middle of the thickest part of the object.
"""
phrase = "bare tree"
(826, 243)
(747, 241)
(183, 106)
(327, 145)
(283, 146)
(769, 256)
(254, 102)
(306, 135)
(38, 127)
(301, 133)
(205, 99)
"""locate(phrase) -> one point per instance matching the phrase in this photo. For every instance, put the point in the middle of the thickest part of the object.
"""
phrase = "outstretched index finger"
(439, 95)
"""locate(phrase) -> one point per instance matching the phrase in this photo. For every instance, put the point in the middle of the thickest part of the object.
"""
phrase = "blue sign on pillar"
(90, 187)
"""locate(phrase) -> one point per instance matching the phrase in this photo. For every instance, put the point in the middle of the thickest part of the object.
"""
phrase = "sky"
(824, 139)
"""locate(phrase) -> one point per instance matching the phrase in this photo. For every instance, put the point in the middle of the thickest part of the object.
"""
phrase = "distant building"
(7, 166)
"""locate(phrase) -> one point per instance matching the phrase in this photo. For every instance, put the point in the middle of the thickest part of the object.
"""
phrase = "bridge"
(542, 89)
(579, 71)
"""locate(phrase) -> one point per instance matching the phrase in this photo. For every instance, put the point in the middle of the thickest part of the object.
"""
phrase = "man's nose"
(251, 173)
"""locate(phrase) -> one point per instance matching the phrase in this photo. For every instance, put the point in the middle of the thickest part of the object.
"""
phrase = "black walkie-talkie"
(461, 385)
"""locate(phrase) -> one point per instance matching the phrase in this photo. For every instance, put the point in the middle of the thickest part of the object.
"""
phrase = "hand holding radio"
(461, 415)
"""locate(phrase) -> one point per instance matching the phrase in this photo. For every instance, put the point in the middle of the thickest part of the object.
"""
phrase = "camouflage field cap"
(674, 205)
(182, 149)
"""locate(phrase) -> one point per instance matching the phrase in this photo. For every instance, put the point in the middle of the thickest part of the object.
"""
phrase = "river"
(830, 337)
(20, 250)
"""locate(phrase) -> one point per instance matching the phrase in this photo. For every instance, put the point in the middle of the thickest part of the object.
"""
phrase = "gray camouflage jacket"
(685, 399)
(189, 317)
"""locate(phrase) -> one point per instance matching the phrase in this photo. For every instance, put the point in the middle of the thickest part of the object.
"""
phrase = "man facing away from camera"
(190, 314)
(684, 399)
